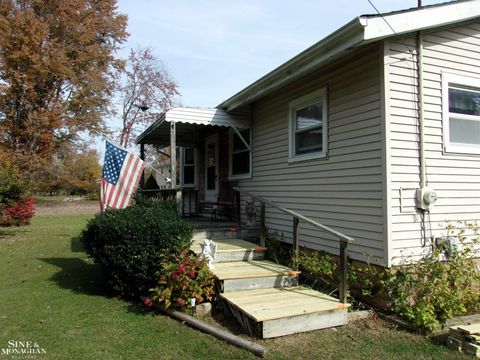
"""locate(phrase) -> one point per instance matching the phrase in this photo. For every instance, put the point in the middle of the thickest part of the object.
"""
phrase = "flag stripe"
(121, 174)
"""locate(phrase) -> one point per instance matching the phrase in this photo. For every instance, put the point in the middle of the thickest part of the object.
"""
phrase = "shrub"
(183, 277)
(430, 291)
(18, 212)
(129, 244)
(15, 207)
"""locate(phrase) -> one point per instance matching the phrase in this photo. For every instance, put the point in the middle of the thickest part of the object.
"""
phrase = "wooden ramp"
(264, 296)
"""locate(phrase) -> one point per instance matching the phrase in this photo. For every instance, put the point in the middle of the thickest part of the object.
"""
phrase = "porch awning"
(188, 121)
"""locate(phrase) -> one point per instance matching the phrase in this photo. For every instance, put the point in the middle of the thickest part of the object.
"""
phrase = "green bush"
(183, 277)
(129, 244)
(16, 208)
(430, 291)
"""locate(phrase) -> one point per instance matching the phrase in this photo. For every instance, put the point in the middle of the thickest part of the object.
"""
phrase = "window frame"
(462, 82)
(194, 165)
(248, 175)
(300, 103)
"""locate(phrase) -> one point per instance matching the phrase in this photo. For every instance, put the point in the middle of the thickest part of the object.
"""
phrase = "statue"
(250, 211)
(209, 250)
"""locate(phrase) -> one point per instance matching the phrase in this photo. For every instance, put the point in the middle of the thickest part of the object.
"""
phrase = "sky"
(213, 48)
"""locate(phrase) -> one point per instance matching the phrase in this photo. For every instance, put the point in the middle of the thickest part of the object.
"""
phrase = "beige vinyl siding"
(455, 177)
(344, 190)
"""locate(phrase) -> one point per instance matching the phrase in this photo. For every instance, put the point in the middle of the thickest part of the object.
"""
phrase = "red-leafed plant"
(19, 212)
(183, 277)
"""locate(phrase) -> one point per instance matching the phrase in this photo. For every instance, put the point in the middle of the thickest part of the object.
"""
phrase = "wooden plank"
(471, 349)
(474, 339)
(302, 323)
(469, 329)
(270, 304)
(228, 245)
(249, 269)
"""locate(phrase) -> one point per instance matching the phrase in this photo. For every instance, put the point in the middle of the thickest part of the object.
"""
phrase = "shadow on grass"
(78, 276)
(6, 233)
(76, 245)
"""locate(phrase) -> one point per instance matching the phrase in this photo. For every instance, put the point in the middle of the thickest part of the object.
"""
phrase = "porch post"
(173, 167)
(142, 156)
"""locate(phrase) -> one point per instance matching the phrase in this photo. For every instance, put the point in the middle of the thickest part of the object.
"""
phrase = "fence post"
(342, 288)
(296, 223)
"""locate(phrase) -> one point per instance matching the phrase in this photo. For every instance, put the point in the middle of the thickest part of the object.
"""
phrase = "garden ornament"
(209, 250)
(250, 211)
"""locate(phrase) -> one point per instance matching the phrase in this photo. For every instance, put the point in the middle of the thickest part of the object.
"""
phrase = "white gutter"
(421, 125)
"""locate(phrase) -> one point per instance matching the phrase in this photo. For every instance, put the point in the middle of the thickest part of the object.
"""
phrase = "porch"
(205, 152)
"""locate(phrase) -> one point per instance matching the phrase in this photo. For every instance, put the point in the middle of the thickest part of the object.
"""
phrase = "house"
(374, 131)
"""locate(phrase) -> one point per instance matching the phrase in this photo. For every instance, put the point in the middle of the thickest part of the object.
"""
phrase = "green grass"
(51, 293)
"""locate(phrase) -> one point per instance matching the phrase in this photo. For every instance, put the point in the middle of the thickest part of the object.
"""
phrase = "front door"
(211, 168)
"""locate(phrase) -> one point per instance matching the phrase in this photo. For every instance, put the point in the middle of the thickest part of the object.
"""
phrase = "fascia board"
(376, 27)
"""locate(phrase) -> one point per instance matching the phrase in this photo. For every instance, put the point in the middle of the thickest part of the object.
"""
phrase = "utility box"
(426, 198)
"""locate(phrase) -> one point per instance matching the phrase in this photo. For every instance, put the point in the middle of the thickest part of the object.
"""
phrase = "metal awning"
(187, 123)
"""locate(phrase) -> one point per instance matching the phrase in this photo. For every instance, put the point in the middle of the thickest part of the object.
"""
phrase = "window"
(240, 154)
(461, 114)
(308, 126)
(188, 167)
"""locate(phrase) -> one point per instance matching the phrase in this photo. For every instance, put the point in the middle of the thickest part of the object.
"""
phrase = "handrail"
(344, 239)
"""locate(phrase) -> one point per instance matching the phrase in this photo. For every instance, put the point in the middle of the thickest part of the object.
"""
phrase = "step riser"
(303, 323)
(200, 234)
(259, 283)
(239, 256)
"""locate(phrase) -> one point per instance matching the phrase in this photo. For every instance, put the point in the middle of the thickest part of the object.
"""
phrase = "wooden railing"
(344, 239)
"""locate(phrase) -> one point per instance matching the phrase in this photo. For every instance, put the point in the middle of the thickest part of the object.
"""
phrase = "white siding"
(343, 191)
(455, 177)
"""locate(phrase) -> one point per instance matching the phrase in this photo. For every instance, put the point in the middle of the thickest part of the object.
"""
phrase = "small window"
(188, 167)
(308, 126)
(240, 154)
(461, 114)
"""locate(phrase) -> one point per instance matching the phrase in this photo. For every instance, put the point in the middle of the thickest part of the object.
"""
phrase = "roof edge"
(359, 31)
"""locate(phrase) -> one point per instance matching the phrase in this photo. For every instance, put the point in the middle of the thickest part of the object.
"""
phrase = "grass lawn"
(52, 294)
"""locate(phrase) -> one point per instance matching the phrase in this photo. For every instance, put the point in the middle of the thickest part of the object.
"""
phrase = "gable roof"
(360, 31)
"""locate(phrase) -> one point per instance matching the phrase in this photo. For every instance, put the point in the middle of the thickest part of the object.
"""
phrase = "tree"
(57, 66)
(146, 83)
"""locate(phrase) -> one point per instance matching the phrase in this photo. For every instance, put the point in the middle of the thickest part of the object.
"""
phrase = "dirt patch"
(66, 207)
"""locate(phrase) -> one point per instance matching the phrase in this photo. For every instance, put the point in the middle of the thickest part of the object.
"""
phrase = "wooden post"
(296, 223)
(173, 167)
(173, 155)
(142, 156)
(238, 209)
(262, 224)
(342, 287)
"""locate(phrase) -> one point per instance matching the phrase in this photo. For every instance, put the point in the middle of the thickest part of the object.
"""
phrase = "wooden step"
(233, 250)
(248, 275)
(215, 233)
(283, 311)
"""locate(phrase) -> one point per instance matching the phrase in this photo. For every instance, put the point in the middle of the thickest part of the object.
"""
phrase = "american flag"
(121, 173)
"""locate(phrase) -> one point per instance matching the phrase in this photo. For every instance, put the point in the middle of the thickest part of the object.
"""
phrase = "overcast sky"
(215, 48)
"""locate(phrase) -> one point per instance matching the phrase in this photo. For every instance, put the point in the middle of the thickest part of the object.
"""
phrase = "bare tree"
(146, 84)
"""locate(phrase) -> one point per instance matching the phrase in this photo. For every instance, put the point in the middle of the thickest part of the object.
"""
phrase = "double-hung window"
(461, 113)
(240, 154)
(308, 126)
(188, 167)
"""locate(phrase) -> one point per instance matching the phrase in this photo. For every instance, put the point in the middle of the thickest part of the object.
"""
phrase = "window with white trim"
(240, 154)
(308, 126)
(189, 160)
(461, 113)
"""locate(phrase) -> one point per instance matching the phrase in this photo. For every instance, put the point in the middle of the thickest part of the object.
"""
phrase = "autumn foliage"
(57, 66)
